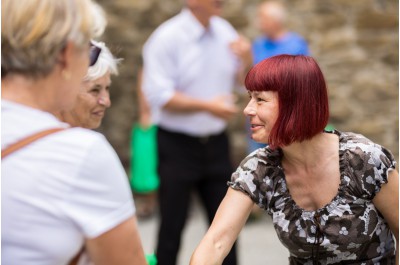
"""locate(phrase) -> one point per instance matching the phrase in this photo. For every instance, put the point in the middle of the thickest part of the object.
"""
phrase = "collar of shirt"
(193, 28)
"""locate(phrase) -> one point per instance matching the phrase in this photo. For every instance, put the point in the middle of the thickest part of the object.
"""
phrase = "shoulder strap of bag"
(76, 258)
(18, 145)
(30, 139)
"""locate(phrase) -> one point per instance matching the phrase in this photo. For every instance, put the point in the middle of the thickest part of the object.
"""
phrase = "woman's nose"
(250, 109)
(104, 100)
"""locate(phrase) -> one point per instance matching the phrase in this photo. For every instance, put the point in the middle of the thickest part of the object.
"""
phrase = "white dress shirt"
(182, 55)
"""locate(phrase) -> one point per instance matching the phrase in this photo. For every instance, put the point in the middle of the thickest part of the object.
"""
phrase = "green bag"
(151, 259)
(144, 159)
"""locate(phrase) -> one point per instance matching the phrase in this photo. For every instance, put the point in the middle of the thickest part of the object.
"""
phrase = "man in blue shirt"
(275, 40)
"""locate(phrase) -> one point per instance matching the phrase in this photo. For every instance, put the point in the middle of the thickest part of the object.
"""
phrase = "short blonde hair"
(33, 32)
(105, 63)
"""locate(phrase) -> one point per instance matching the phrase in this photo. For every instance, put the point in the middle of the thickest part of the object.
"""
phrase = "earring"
(66, 74)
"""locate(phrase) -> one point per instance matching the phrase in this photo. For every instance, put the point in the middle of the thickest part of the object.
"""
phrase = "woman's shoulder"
(259, 166)
(365, 163)
(261, 158)
(83, 136)
(353, 138)
(354, 144)
(258, 174)
(87, 144)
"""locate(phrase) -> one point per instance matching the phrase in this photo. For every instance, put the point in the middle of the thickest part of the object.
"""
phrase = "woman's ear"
(65, 59)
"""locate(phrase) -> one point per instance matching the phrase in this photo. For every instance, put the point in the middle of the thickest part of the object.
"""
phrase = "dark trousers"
(186, 164)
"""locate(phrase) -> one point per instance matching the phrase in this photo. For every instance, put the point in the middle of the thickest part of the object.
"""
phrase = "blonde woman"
(65, 193)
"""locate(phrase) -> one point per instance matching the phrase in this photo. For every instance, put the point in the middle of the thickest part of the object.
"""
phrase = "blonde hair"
(105, 63)
(33, 32)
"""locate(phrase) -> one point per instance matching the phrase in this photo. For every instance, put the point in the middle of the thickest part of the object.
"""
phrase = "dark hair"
(302, 96)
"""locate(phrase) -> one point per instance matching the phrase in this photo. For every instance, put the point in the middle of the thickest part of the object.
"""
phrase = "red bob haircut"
(302, 96)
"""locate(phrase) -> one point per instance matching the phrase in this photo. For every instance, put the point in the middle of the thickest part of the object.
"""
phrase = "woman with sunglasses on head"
(333, 196)
(65, 195)
(94, 97)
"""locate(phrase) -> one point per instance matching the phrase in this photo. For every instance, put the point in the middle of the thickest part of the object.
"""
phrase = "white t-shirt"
(183, 56)
(58, 190)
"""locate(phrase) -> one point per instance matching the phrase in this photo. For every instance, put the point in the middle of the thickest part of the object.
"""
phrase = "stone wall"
(354, 41)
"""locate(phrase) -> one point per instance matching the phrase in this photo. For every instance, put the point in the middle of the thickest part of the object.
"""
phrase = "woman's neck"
(29, 92)
(311, 153)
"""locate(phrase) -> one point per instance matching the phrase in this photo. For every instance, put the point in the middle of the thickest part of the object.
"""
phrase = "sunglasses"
(94, 53)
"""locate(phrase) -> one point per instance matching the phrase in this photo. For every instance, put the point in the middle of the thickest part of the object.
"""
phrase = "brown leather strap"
(18, 145)
(75, 259)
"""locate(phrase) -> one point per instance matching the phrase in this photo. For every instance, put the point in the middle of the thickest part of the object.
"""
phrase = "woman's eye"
(259, 99)
(94, 91)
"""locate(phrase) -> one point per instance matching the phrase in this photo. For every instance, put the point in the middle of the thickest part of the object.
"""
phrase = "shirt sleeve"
(249, 178)
(384, 162)
(100, 198)
(158, 71)
(372, 164)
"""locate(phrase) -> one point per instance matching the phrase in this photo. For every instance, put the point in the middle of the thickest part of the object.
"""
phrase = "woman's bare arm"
(387, 202)
(225, 228)
(119, 246)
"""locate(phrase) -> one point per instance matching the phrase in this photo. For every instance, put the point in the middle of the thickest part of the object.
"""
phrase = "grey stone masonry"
(355, 43)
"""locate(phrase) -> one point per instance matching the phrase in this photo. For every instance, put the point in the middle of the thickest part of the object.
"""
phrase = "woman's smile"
(262, 111)
(255, 127)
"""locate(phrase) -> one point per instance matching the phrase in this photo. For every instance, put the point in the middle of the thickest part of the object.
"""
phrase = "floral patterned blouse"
(349, 229)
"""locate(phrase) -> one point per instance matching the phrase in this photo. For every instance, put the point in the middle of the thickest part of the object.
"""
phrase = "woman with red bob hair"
(332, 196)
(303, 108)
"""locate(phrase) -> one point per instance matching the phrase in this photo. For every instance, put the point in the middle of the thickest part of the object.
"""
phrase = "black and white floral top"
(348, 230)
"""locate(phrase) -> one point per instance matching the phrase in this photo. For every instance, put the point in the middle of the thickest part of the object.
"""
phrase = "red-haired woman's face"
(262, 110)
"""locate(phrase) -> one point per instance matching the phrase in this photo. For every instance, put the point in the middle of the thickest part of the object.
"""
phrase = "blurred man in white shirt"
(192, 62)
